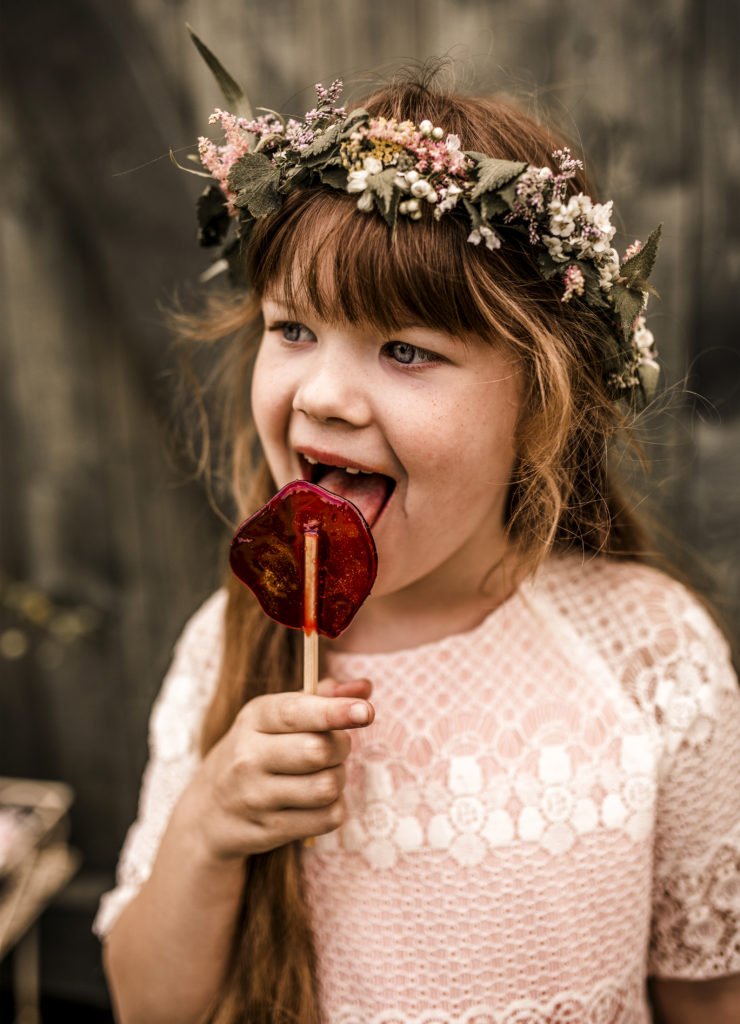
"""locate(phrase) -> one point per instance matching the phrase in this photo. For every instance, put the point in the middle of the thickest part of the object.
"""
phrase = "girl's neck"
(416, 615)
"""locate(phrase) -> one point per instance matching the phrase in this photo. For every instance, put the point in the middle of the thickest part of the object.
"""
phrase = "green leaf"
(232, 91)
(628, 304)
(593, 295)
(474, 213)
(383, 188)
(353, 119)
(637, 269)
(507, 195)
(549, 267)
(649, 374)
(492, 174)
(213, 217)
(322, 142)
(492, 205)
(334, 176)
(255, 181)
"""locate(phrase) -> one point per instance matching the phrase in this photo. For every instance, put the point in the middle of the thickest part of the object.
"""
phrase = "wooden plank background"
(105, 546)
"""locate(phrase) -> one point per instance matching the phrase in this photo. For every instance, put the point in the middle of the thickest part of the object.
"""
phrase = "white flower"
(450, 198)
(365, 202)
(484, 232)
(411, 176)
(642, 336)
(601, 215)
(372, 165)
(561, 219)
(420, 188)
(608, 269)
(357, 181)
(555, 247)
(452, 142)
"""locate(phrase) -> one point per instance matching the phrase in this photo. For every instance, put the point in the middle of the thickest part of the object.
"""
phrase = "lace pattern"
(174, 736)
(544, 812)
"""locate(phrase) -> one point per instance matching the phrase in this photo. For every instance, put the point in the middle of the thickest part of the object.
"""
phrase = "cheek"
(269, 399)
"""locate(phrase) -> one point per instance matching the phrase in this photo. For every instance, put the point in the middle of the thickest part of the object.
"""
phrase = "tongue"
(365, 490)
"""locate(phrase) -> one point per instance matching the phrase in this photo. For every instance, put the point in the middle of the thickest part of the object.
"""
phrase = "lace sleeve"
(696, 880)
(174, 736)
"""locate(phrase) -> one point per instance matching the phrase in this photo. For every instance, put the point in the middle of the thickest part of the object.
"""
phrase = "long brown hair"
(565, 493)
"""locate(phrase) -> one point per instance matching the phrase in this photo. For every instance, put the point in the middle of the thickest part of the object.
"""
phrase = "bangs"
(322, 255)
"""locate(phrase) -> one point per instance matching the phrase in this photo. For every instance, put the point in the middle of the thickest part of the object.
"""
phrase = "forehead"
(345, 266)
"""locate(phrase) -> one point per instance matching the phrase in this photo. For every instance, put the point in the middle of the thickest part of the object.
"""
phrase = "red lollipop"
(309, 558)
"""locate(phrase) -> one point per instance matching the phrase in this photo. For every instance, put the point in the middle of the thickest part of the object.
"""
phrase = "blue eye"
(409, 355)
(290, 330)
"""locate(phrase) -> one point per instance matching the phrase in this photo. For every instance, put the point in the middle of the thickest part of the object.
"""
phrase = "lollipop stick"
(310, 607)
(310, 631)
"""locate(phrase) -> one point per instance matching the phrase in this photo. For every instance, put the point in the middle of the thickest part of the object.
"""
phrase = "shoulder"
(651, 630)
(190, 683)
(202, 633)
(635, 604)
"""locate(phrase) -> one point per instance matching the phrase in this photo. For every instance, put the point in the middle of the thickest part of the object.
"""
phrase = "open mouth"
(369, 491)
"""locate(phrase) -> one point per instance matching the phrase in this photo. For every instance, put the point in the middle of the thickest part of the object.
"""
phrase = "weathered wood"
(97, 231)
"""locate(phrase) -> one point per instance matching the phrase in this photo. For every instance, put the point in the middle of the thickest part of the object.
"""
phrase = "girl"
(543, 817)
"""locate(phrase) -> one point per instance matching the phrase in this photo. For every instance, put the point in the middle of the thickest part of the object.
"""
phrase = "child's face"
(434, 414)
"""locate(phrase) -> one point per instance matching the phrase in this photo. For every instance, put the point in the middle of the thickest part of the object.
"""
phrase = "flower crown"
(396, 168)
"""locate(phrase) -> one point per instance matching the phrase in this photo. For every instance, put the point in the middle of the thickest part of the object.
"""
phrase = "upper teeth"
(347, 469)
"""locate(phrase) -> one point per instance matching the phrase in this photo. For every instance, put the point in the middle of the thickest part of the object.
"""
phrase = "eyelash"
(427, 357)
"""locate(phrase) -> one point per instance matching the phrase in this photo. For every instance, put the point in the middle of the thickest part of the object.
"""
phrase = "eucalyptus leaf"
(232, 91)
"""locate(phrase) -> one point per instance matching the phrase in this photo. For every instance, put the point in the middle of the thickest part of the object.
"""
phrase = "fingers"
(345, 688)
(305, 792)
(304, 753)
(305, 712)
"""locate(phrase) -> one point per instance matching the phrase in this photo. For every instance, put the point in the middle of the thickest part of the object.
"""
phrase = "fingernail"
(359, 713)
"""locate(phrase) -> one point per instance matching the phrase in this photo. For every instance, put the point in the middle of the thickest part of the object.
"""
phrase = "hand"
(278, 774)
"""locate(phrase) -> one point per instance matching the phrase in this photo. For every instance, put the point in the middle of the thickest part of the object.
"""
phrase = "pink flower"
(574, 282)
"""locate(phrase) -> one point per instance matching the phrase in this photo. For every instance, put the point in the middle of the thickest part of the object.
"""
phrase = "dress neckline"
(506, 608)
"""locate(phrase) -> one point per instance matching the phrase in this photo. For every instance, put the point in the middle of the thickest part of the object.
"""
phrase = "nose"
(333, 387)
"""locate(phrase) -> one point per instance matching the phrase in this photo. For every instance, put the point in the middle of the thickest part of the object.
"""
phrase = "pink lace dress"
(545, 811)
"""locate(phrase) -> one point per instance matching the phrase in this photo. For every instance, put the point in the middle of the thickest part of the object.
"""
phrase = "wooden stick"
(310, 616)
(310, 611)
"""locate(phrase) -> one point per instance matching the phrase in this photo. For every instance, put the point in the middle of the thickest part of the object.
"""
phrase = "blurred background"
(107, 543)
